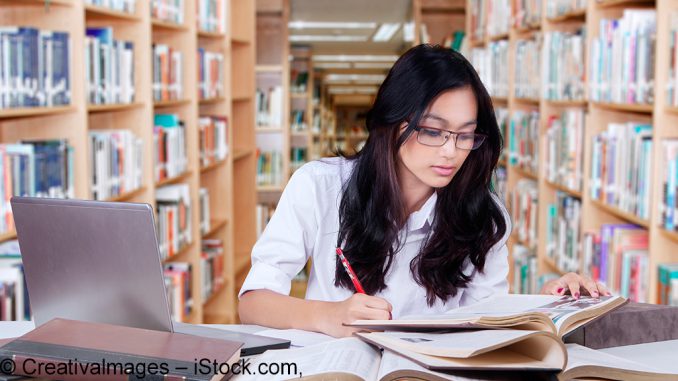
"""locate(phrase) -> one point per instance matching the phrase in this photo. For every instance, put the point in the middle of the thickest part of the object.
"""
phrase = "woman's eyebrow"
(446, 123)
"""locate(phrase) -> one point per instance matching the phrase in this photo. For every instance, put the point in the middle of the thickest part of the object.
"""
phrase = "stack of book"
(205, 223)
(211, 16)
(524, 211)
(621, 167)
(269, 104)
(212, 266)
(269, 168)
(564, 142)
(173, 205)
(117, 162)
(127, 6)
(524, 140)
(621, 65)
(35, 68)
(618, 257)
(210, 74)
(167, 73)
(527, 68)
(555, 8)
(563, 68)
(213, 139)
(178, 287)
(109, 68)
(563, 225)
(168, 10)
(169, 142)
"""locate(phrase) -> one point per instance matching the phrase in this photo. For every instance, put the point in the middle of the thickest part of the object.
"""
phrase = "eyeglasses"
(435, 137)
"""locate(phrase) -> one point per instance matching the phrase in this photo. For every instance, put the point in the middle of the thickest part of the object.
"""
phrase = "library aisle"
(205, 108)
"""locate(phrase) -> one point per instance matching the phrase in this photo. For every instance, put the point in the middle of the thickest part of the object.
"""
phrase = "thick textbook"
(556, 314)
(83, 350)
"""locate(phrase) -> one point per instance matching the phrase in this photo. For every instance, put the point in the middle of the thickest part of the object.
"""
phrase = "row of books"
(668, 284)
(269, 168)
(617, 256)
(167, 73)
(117, 162)
(478, 20)
(622, 58)
(502, 116)
(563, 65)
(211, 16)
(527, 67)
(298, 120)
(213, 139)
(37, 169)
(210, 74)
(525, 270)
(109, 68)
(564, 142)
(563, 225)
(668, 208)
(621, 166)
(298, 81)
(173, 206)
(526, 13)
(672, 84)
(179, 291)
(524, 211)
(127, 6)
(34, 68)
(204, 203)
(298, 157)
(14, 303)
(168, 10)
(555, 8)
(264, 212)
(500, 181)
(492, 66)
(169, 146)
(212, 266)
(269, 105)
(524, 140)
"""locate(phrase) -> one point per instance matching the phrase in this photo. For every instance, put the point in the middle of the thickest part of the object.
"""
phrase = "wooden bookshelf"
(231, 186)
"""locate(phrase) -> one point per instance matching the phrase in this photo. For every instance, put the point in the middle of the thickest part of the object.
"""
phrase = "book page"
(297, 337)
(348, 355)
(580, 356)
(391, 363)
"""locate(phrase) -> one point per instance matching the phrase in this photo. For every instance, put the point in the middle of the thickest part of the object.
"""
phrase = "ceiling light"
(355, 78)
(372, 65)
(330, 25)
(354, 58)
(352, 90)
(385, 32)
(330, 38)
(332, 65)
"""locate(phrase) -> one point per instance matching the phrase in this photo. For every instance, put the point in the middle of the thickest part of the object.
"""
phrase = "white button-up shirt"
(305, 225)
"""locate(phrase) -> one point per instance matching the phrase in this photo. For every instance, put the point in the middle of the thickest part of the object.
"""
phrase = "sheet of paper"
(581, 356)
(299, 338)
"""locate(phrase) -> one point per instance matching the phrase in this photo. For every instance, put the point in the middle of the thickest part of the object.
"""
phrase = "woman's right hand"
(334, 315)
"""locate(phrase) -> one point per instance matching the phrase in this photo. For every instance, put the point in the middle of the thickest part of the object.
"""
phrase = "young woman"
(413, 212)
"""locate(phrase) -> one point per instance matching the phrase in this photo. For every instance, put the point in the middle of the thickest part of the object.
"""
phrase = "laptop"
(99, 262)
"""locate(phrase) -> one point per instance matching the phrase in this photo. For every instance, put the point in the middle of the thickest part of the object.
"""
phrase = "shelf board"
(531, 101)
(173, 180)
(212, 35)
(241, 153)
(96, 11)
(576, 15)
(215, 225)
(239, 40)
(7, 236)
(552, 264)
(127, 195)
(214, 294)
(241, 98)
(524, 172)
(268, 68)
(299, 95)
(268, 130)
(210, 101)
(571, 192)
(499, 100)
(621, 214)
(645, 109)
(269, 188)
(178, 254)
(299, 134)
(171, 103)
(23, 112)
(566, 103)
(499, 37)
(242, 262)
(92, 109)
(212, 166)
(530, 28)
(477, 43)
(671, 110)
(672, 235)
(168, 25)
(614, 3)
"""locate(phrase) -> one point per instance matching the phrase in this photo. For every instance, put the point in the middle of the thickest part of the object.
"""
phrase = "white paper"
(298, 338)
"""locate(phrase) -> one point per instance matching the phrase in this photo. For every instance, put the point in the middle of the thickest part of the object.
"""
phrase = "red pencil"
(347, 266)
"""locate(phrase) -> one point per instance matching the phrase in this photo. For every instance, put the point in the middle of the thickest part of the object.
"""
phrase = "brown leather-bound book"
(75, 350)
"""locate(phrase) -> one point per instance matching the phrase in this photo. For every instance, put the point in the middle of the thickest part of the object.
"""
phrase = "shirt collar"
(425, 214)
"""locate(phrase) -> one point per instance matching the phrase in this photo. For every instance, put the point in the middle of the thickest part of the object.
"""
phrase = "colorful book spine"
(556, 8)
(167, 73)
(492, 66)
(527, 68)
(117, 163)
(668, 207)
(212, 267)
(269, 105)
(210, 74)
(173, 207)
(667, 292)
(269, 168)
(478, 19)
(563, 68)
(524, 140)
(498, 17)
(563, 227)
(211, 16)
(213, 139)
(109, 68)
(204, 201)
(524, 211)
(672, 83)
(178, 278)
(564, 142)
(169, 142)
(127, 6)
(168, 10)
(526, 13)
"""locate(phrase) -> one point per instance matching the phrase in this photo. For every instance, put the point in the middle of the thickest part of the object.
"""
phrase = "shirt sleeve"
(287, 241)
(494, 278)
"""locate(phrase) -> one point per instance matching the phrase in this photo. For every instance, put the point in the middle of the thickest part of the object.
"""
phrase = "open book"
(557, 314)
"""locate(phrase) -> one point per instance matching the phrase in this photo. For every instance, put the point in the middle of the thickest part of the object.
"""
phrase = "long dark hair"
(468, 221)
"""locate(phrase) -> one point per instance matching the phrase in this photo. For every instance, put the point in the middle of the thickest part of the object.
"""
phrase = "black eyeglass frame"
(456, 137)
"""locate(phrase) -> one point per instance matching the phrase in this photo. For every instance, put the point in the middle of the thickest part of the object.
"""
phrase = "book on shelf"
(502, 116)
(491, 63)
(672, 83)
(298, 158)
(524, 270)
(621, 166)
(298, 121)
(173, 206)
(167, 73)
(621, 63)
(269, 167)
(298, 81)
(556, 8)
(264, 213)
(617, 256)
(498, 17)
(169, 142)
(213, 139)
(14, 302)
(526, 76)
(211, 16)
(500, 181)
(109, 68)
(524, 208)
(127, 6)
(563, 67)
(212, 266)
(210, 74)
(116, 162)
(564, 142)
(478, 20)
(524, 140)
(526, 13)
(558, 315)
(667, 284)
(669, 206)
(78, 350)
(204, 198)
(178, 280)
(168, 10)
(455, 40)
(269, 105)
(563, 224)
(35, 68)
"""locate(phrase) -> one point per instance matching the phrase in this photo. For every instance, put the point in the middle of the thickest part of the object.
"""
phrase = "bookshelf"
(599, 114)
(436, 21)
(231, 207)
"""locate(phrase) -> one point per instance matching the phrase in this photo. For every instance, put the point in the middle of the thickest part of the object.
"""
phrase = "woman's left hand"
(576, 285)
